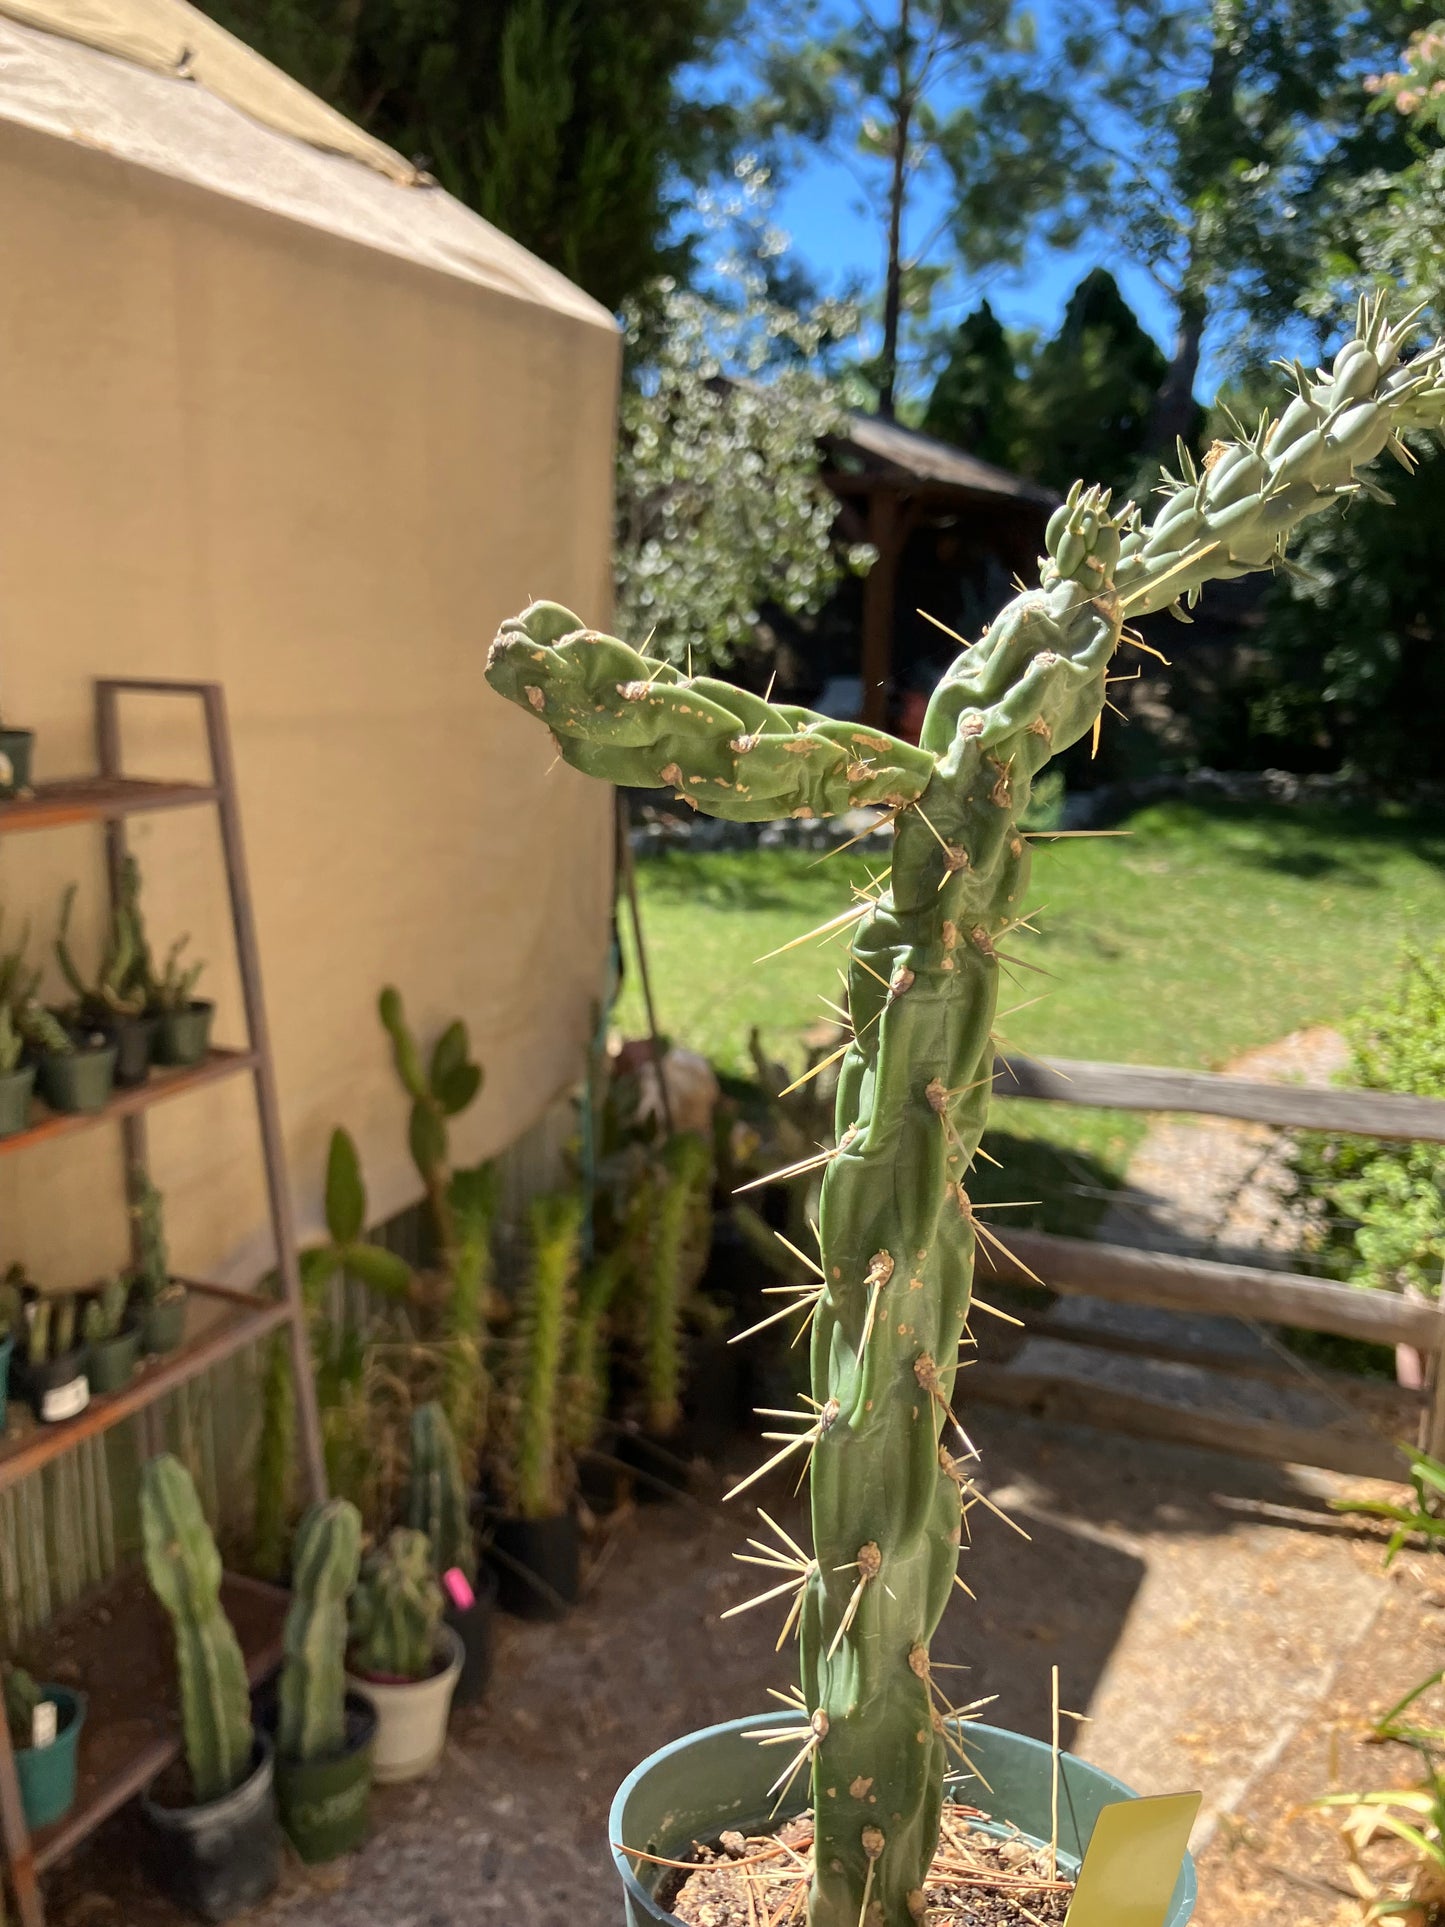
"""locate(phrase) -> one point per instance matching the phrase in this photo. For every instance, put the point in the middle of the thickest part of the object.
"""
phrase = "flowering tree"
(720, 505)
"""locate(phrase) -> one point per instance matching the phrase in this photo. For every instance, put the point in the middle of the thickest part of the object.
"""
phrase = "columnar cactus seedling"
(312, 1715)
(532, 1433)
(436, 1500)
(105, 1312)
(184, 1568)
(669, 1274)
(891, 1470)
(396, 1610)
(120, 987)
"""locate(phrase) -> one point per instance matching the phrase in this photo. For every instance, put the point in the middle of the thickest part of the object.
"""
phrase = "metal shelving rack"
(220, 1321)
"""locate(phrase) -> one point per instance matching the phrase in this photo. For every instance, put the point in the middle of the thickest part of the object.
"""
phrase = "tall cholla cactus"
(311, 1723)
(891, 1472)
(184, 1569)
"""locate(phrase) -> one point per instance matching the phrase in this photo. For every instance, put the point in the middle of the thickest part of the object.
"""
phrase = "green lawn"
(1204, 932)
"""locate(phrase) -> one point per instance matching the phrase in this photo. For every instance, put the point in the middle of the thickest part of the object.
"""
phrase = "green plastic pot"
(183, 1036)
(715, 1779)
(110, 1364)
(325, 1804)
(47, 1773)
(15, 1089)
(15, 748)
(163, 1325)
(77, 1080)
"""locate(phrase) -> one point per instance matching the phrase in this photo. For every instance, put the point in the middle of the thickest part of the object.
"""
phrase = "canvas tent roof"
(276, 411)
(158, 83)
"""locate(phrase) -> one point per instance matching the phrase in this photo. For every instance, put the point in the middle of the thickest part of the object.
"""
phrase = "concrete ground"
(1202, 1635)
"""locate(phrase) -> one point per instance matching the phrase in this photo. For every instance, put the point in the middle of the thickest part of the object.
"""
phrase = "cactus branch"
(889, 1499)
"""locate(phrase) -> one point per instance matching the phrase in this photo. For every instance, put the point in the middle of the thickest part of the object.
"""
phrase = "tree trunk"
(1173, 411)
(897, 195)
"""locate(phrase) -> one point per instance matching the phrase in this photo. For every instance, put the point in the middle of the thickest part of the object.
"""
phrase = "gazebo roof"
(875, 450)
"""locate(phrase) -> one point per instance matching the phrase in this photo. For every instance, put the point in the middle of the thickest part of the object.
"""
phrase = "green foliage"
(1385, 1200)
(578, 129)
(888, 1496)
(184, 1569)
(175, 988)
(979, 394)
(439, 1091)
(587, 1380)
(105, 1313)
(1424, 1517)
(396, 1610)
(19, 987)
(312, 1712)
(532, 1464)
(720, 508)
(438, 1500)
(473, 1200)
(22, 1697)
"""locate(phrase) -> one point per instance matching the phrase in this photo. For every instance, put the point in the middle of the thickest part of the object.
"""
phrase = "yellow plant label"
(1133, 1863)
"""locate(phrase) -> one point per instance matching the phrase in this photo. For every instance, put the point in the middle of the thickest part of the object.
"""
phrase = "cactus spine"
(312, 1722)
(889, 1474)
(436, 1502)
(396, 1610)
(184, 1568)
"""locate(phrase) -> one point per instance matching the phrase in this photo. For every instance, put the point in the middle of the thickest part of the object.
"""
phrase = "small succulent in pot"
(39, 1031)
(56, 1382)
(112, 1336)
(16, 746)
(17, 1076)
(113, 1002)
(183, 1020)
(44, 1723)
(163, 1298)
(403, 1659)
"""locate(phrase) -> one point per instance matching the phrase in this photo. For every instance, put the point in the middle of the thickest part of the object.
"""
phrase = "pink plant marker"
(458, 1589)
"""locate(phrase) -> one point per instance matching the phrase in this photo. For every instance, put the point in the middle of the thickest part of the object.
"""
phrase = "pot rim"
(71, 1700)
(448, 1643)
(615, 1834)
(362, 1720)
(263, 1763)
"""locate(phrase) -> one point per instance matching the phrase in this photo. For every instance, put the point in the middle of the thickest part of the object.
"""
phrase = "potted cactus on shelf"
(112, 1337)
(162, 1297)
(40, 1034)
(535, 1542)
(113, 1002)
(216, 1837)
(438, 1503)
(183, 1020)
(404, 1661)
(890, 1475)
(45, 1724)
(53, 1368)
(324, 1734)
(17, 1076)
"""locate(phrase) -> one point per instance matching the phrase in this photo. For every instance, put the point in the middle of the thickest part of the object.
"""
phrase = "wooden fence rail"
(1376, 1417)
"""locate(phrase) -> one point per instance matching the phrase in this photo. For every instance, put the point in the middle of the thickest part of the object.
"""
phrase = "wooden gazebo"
(933, 513)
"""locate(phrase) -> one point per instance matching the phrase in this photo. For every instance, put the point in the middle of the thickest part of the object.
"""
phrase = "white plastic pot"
(411, 1715)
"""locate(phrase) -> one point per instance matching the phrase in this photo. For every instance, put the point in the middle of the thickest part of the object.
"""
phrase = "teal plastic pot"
(47, 1773)
(696, 1787)
(183, 1036)
(325, 1804)
(79, 1079)
(15, 748)
(15, 1089)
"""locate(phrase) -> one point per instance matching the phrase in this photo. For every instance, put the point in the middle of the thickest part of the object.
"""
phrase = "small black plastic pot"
(220, 1858)
(111, 1362)
(78, 1080)
(15, 1090)
(134, 1040)
(163, 1325)
(325, 1805)
(183, 1036)
(58, 1389)
(15, 750)
(474, 1628)
(538, 1563)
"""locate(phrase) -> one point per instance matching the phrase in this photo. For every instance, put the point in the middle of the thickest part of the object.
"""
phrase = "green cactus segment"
(396, 1610)
(105, 1313)
(543, 1316)
(312, 1715)
(889, 1467)
(686, 1176)
(643, 724)
(436, 1500)
(587, 1382)
(147, 1213)
(184, 1568)
(473, 1197)
(1237, 513)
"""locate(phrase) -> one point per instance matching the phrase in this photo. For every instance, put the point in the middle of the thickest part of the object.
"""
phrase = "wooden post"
(878, 591)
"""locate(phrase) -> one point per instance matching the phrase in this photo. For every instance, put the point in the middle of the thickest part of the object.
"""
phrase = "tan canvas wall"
(234, 446)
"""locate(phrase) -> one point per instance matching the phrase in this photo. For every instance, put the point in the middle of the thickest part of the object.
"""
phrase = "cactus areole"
(890, 1471)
